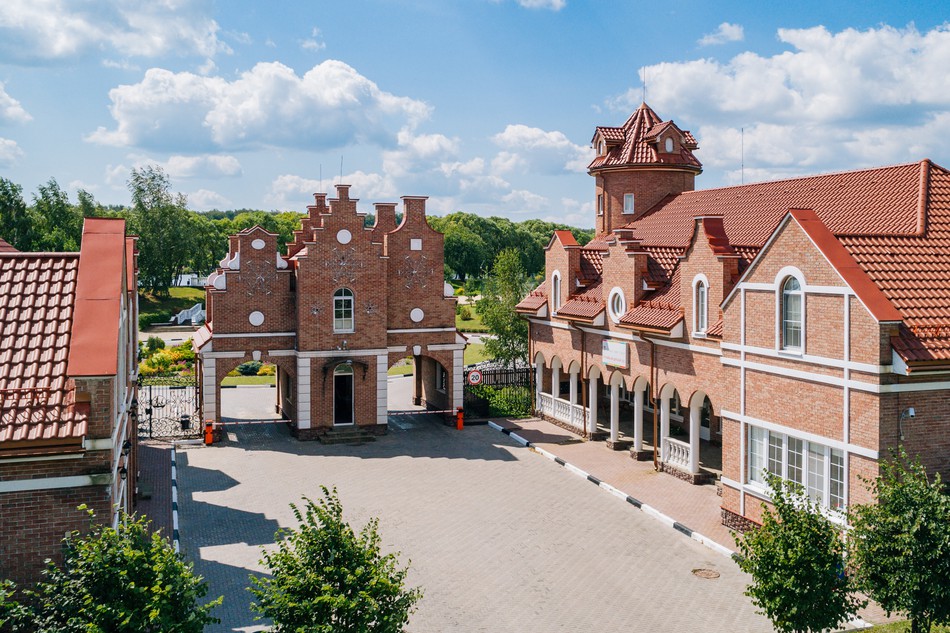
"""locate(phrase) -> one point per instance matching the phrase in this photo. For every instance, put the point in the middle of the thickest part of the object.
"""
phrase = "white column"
(382, 389)
(592, 403)
(539, 378)
(694, 414)
(573, 391)
(638, 419)
(664, 422)
(209, 389)
(303, 393)
(614, 411)
(556, 381)
(458, 374)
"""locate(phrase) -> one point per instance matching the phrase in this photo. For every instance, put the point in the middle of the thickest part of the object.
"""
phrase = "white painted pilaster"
(458, 374)
(382, 388)
(592, 403)
(303, 393)
(638, 419)
(694, 423)
(556, 381)
(209, 389)
(614, 411)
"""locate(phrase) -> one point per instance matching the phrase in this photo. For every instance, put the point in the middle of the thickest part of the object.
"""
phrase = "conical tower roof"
(641, 141)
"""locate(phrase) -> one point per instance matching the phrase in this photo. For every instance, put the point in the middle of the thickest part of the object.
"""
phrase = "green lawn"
(179, 299)
(248, 380)
(901, 627)
(471, 325)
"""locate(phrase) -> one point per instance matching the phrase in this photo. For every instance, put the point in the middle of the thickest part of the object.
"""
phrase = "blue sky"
(485, 106)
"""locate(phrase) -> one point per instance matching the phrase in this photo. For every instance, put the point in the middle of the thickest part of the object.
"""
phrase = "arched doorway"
(343, 395)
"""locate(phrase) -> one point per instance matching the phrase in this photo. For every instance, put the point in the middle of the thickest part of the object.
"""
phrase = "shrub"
(154, 343)
(150, 318)
(250, 368)
(267, 370)
(464, 312)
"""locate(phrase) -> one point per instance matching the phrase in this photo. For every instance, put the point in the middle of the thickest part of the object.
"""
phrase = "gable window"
(628, 203)
(343, 310)
(616, 304)
(701, 307)
(600, 204)
(556, 291)
(791, 314)
(668, 145)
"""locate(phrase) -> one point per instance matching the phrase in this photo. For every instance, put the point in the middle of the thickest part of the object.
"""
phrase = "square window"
(415, 244)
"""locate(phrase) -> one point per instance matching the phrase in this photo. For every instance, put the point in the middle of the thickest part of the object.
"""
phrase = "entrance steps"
(346, 436)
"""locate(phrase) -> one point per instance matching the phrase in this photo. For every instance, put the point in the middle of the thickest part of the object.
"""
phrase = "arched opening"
(247, 388)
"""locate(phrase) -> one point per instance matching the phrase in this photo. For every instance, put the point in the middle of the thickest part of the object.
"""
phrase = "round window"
(256, 318)
(417, 315)
(343, 236)
(616, 304)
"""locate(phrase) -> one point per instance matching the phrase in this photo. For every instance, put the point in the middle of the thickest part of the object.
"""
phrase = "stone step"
(346, 436)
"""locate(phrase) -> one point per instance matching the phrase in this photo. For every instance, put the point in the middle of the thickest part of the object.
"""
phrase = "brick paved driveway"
(501, 539)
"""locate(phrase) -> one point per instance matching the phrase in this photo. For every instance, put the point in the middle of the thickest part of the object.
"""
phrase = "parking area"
(499, 538)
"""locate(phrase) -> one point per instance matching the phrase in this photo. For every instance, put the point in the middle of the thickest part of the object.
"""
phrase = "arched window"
(791, 314)
(343, 310)
(701, 307)
(556, 291)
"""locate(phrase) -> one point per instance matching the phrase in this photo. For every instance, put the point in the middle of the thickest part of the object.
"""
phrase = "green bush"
(464, 312)
(148, 319)
(154, 343)
(512, 402)
(267, 370)
(250, 368)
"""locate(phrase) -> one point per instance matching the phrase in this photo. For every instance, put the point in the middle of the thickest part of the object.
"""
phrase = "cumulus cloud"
(418, 154)
(205, 200)
(314, 42)
(533, 149)
(292, 192)
(45, 30)
(725, 33)
(832, 101)
(330, 106)
(553, 5)
(10, 152)
(10, 109)
(206, 166)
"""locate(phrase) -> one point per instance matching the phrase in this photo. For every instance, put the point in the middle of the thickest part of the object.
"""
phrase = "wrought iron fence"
(168, 407)
(496, 391)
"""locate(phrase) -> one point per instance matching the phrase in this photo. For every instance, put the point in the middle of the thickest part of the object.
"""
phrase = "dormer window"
(600, 204)
(602, 148)
(668, 145)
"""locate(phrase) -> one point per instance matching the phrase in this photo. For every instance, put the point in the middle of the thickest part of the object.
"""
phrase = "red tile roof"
(581, 307)
(638, 145)
(715, 330)
(652, 316)
(566, 238)
(37, 293)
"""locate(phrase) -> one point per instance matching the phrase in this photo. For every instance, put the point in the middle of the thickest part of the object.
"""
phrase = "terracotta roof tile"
(535, 299)
(638, 148)
(715, 330)
(37, 291)
(652, 316)
(581, 307)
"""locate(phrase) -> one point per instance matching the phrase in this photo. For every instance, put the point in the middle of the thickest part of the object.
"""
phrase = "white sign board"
(615, 354)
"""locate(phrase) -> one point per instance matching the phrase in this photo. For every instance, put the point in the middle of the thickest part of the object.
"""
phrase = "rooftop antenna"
(321, 177)
(742, 155)
(341, 169)
(643, 87)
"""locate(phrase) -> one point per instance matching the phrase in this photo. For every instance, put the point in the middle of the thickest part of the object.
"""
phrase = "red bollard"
(209, 433)
(460, 419)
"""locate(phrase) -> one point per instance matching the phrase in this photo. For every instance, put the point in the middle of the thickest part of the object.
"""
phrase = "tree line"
(174, 239)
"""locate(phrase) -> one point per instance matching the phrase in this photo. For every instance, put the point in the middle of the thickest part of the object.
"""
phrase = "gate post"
(460, 418)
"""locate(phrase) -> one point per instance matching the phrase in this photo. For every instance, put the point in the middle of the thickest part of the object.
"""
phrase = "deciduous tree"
(325, 578)
(503, 290)
(796, 560)
(900, 545)
(16, 226)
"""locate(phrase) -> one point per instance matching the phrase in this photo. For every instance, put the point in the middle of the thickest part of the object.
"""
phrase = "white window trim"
(633, 207)
(826, 450)
(697, 332)
(352, 301)
(556, 292)
(780, 278)
(615, 292)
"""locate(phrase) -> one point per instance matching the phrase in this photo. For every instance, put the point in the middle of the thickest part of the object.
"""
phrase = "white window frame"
(616, 296)
(700, 306)
(629, 208)
(600, 204)
(556, 291)
(761, 439)
(344, 300)
(783, 277)
(668, 145)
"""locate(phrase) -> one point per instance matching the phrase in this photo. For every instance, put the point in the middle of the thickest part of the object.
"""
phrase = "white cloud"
(533, 149)
(294, 193)
(833, 101)
(524, 200)
(76, 185)
(10, 109)
(116, 176)
(330, 106)
(10, 152)
(725, 33)
(206, 166)
(205, 200)
(43, 30)
(553, 5)
(315, 43)
(418, 154)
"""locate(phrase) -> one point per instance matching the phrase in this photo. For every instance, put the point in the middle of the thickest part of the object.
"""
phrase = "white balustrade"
(676, 453)
(562, 410)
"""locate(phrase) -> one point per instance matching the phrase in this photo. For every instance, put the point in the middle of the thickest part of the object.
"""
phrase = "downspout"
(653, 378)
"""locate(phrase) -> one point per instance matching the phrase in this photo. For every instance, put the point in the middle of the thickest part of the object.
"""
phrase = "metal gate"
(168, 408)
(498, 391)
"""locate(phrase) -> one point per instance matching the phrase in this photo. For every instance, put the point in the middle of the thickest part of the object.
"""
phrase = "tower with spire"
(639, 164)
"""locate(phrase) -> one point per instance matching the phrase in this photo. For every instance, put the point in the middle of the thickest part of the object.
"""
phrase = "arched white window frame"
(343, 310)
(556, 291)
(616, 304)
(784, 323)
(700, 305)
(668, 144)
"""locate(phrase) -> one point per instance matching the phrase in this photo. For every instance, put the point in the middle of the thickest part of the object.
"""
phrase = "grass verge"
(474, 353)
(162, 308)
(248, 380)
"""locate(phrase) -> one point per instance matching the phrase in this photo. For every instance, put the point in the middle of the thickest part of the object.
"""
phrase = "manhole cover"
(708, 574)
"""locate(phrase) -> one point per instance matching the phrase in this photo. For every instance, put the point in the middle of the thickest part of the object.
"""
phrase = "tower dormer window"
(628, 203)
(668, 145)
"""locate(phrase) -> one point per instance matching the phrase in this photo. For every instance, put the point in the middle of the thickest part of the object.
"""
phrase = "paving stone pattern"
(500, 539)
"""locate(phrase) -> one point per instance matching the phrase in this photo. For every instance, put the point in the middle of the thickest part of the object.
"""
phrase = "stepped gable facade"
(800, 326)
(334, 313)
(68, 369)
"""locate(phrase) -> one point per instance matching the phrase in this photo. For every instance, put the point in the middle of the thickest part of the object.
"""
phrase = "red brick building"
(68, 365)
(800, 326)
(334, 313)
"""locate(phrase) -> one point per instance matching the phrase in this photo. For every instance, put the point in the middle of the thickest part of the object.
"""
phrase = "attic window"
(600, 204)
(601, 148)
(668, 145)
(628, 203)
